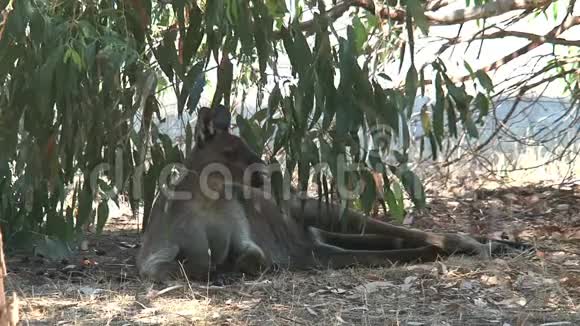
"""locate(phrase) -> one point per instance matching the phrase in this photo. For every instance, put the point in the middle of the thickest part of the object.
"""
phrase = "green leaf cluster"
(80, 119)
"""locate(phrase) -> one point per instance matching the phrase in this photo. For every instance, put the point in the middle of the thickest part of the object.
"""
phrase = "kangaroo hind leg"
(338, 257)
(365, 241)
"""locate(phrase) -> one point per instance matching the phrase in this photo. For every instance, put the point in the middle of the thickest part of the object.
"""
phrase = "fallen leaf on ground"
(371, 288)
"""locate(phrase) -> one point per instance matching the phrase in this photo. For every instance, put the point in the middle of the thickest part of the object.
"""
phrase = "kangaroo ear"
(204, 128)
(211, 121)
(222, 118)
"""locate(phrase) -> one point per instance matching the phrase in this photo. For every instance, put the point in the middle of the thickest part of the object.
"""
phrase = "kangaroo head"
(218, 151)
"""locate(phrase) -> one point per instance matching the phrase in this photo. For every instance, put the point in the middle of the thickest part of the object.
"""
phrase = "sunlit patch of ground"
(526, 289)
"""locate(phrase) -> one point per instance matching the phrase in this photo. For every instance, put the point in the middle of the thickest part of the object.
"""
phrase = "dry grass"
(526, 289)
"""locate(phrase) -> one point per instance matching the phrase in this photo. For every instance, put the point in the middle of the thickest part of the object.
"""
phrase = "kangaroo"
(186, 226)
(229, 223)
(244, 230)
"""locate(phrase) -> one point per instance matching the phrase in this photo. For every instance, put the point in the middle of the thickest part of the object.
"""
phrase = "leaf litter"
(524, 289)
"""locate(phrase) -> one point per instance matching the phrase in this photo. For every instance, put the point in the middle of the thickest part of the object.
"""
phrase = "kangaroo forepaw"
(482, 247)
(462, 243)
(502, 247)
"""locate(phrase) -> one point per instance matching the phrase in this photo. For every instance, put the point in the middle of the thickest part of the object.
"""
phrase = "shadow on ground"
(100, 286)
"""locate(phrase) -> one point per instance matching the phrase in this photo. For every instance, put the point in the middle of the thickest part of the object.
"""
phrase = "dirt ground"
(100, 286)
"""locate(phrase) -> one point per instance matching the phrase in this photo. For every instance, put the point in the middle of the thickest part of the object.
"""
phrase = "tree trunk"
(8, 308)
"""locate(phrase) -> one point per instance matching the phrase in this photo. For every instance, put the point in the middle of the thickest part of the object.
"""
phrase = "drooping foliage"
(80, 82)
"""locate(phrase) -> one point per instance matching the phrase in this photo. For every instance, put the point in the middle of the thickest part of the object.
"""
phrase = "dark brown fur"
(248, 232)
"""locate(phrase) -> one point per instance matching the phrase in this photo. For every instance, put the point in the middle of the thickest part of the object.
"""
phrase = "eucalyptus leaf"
(369, 194)
(418, 14)
(102, 215)
(438, 110)
(414, 188)
(395, 209)
(411, 83)
(484, 80)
